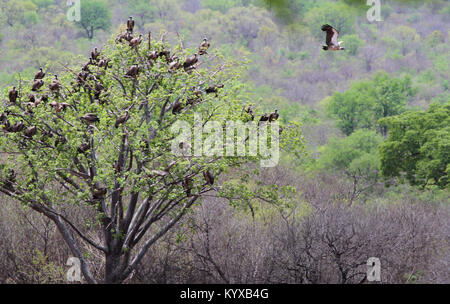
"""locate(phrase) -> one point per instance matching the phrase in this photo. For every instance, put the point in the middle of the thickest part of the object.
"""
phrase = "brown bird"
(17, 127)
(39, 75)
(166, 54)
(214, 89)
(332, 43)
(273, 116)
(83, 148)
(90, 118)
(103, 63)
(174, 65)
(130, 24)
(204, 46)
(13, 95)
(56, 84)
(187, 185)
(208, 177)
(133, 71)
(99, 193)
(265, 117)
(30, 131)
(37, 84)
(122, 119)
(136, 41)
(190, 61)
(87, 64)
(59, 106)
(177, 107)
(95, 54)
(153, 55)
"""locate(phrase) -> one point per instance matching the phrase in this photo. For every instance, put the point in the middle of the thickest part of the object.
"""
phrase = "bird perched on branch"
(209, 178)
(37, 84)
(83, 148)
(187, 185)
(13, 95)
(122, 119)
(133, 71)
(273, 116)
(56, 84)
(136, 41)
(214, 89)
(264, 117)
(190, 61)
(31, 131)
(332, 43)
(95, 54)
(204, 46)
(90, 118)
(39, 75)
(130, 24)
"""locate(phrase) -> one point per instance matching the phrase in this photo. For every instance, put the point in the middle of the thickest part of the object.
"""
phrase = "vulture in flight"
(332, 43)
(130, 24)
(39, 75)
(204, 46)
(13, 95)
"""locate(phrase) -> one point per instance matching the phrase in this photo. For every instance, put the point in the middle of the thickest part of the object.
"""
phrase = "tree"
(418, 146)
(104, 140)
(95, 15)
(356, 156)
(366, 102)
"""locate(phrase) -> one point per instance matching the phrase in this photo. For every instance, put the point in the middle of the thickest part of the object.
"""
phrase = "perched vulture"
(31, 98)
(103, 63)
(174, 65)
(87, 64)
(332, 43)
(17, 127)
(133, 71)
(13, 95)
(273, 116)
(214, 89)
(59, 106)
(39, 75)
(187, 185)
(37, 84)
(165, 54)
(136, 41)
(190, 61)
(3, 117)
(99, 193)
(56, 84)
(153, 55)
(30, 131)
(265, 117)
(208, 177)
(177, 107)
(130, 24)
(249, 111)
(122, 119)
(90, 118)
(94, 54)
(204, 46)
(83, 148)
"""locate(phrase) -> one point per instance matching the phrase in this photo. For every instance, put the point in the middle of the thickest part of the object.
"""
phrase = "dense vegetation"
(373, 181)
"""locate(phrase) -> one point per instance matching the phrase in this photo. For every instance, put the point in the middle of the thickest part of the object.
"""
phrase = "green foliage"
(356, 154)
(352, 43)
(366, 102)
(418, 147)
(95, 15)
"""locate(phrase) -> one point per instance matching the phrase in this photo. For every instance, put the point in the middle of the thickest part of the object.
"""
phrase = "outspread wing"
(334, 39)
(332, 34)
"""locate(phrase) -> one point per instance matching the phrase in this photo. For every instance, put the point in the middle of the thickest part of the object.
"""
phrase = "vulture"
(30, 131)
(83, 148)
(203, 47)
(187, 185)
(214, 89)
(273, 116)
(13, 95)
(37, 84)
(165, 54)
(103, 63)
(122, 119)
(153, 55)
(39, 75)
(94, 54)
(56, 84)
(17, 127)
(208, 177)
(99, 193)
(249, 111)
(265, 117)
(130, 24)
(87, 64)
(332, 43)
(90, 118)
(174, 65)
(177, 107)
(136, 41)
(133, 71)
(59, 106)
(3, 117)
(190, 61)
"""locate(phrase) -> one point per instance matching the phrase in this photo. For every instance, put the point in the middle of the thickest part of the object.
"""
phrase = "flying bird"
(332, 43)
